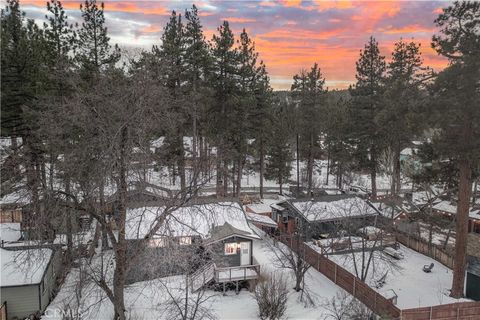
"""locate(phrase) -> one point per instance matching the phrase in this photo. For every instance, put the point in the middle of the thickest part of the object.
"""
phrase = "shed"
(28, 279)
(472, 281)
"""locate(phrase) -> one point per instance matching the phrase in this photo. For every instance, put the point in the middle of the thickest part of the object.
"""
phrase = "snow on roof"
(10, 231)
(19, 197)
(318, 210)
(186, 221)
(407, 152)
(259, 208)
(370, 230)
(446, 206)
(23, 267)
(261, 219)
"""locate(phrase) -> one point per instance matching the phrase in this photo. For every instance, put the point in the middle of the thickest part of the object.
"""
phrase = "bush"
(271, 295)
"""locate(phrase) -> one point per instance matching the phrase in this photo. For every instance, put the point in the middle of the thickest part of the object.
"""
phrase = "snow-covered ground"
(413, 287)
(150, 299)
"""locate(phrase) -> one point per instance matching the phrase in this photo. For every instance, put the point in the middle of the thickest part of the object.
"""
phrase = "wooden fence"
(3, 311)
(461, 310)
(372, 299)
(423, 247)
(344, 279)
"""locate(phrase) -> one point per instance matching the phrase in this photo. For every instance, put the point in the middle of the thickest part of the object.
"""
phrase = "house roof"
(23, 267)
(448, 207)
(226, 231)
(261, 220)
(10, 231)
(333, 207)
(259, 208)
(193, 220)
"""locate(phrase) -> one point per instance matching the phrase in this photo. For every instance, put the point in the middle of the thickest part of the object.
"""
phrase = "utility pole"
(298, 171)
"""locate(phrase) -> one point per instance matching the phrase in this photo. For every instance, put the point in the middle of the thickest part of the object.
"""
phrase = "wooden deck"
(211, 272)
(238, 273)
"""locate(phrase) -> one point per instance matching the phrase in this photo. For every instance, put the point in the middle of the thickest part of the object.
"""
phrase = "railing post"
(354, 282)
(335, 273)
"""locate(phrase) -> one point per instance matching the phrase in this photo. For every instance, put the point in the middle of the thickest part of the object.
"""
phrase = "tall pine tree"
(456, 94)
(366, 103)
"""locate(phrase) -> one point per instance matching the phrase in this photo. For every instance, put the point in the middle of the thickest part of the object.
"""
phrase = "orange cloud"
(291, 3)
(267, 4)
(239, 20)
(124, 6)
(414, 28)
(151, 29)
(327, 5)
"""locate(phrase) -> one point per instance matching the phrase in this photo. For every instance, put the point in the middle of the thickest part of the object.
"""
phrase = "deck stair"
(202, 276)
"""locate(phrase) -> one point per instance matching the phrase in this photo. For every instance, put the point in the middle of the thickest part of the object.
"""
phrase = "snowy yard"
(149, 299)
(414, 287)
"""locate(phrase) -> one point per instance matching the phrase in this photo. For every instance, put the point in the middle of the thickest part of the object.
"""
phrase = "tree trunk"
(262, 167)
(225, 177)
(119, 275)
(234, 173)
(181, 165)
(328, 164)
(239, 176)
(310, 166)
(104, 214)
(280, 182)
(373, 171)
(219, 188)
(397, 170)
(463, 208)
(68, 223)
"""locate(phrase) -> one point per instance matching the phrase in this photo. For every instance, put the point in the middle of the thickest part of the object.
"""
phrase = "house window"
(231, 248)
(185, 241)
(157, 243)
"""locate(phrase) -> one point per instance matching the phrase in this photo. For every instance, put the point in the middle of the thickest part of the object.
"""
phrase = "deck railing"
(237, 273)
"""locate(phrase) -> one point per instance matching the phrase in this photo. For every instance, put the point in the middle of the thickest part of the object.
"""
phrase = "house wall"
(25, 300)
(49, 282)
(231, 260)
(156, 262)
(21, 301)
(10, 215)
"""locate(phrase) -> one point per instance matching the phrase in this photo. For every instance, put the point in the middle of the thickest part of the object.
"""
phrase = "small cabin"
(28, 280)
(212, 237)
(317, 217)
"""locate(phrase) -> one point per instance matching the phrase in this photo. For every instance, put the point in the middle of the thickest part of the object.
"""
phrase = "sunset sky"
(289, 34)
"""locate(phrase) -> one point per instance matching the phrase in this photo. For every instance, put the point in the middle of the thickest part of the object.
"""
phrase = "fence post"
(430, 313)
(335, 273)
(354, 282)
(318, 262)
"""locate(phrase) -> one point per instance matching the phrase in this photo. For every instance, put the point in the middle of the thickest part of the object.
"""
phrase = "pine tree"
(23, 79)
(260, 118)
(225, 87)
(95, 51)
(171, 54)
(197, 68)
(61, 40)
(456, 94)
(309, 92)
(401, 118)
(365, 105)
(279, 149)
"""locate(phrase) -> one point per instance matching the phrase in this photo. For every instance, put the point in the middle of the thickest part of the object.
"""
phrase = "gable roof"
(226, 231)
(193, 220)
(23, 267)
(333, 207)
(450, 208)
